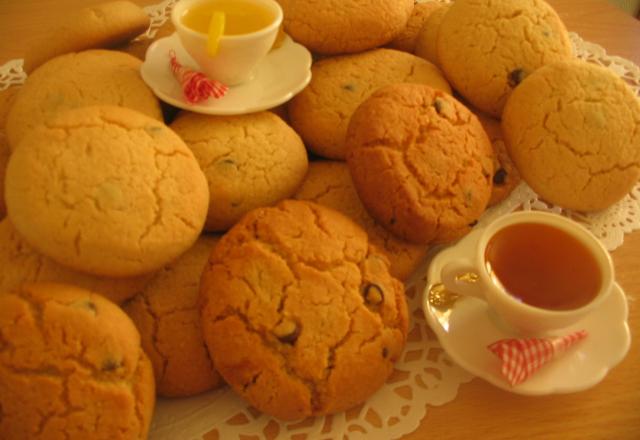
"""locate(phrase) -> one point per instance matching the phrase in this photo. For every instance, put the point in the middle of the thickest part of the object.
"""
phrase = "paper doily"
(425, 375)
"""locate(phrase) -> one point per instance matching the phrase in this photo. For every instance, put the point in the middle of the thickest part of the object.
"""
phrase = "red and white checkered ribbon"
(523, 357)
(196, 86)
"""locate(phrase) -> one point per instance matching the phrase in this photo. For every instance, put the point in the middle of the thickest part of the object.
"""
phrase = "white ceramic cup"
(237, 55)
(458, 277)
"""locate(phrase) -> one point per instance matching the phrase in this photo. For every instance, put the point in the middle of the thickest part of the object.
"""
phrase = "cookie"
(71, 366)
(573, 130)
(321, 112)
(406, 39)
(5, 151)
(487, 47)
(249, 160)
(21, 264)
(93, 77)
(107, 191)
(344, 26)
(329, 183)
(505, 174)
(427, 40)
(167, 315)
(420, 161)
(99, 26)
(299, 311)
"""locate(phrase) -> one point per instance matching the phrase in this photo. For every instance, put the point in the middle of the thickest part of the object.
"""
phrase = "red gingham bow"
(196, 86)
(523, 357)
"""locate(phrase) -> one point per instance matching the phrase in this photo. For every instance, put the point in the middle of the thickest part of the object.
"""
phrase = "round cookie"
(427, 40)
(249, 160)
(71, 366)
(167, 315)
(299, 311)
(344, 26)
(406, 39)
(505, 174)
(486, 47)
(421, 162)
(21, 264)
(572, 129)
(93, 77)
(321, 112)
(107, 191)
(329, 183)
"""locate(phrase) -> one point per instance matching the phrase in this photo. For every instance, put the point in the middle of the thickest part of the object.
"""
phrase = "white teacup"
(474, 276)
(237, 55)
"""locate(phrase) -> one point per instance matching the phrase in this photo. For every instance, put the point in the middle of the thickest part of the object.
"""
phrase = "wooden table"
(610, 410)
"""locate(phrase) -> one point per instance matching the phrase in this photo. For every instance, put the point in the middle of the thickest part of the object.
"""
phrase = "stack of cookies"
(267, 251)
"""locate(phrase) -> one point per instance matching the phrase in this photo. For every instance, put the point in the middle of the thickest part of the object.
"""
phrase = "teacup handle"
(462, 277)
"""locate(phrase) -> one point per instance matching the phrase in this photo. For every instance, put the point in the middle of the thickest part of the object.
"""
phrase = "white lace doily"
(424, 376)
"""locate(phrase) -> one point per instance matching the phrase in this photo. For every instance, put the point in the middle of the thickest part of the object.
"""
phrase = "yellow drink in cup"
(227, 38)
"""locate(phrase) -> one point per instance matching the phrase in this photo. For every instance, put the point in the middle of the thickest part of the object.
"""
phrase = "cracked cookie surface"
(421, 162)
(249, 160)
(329, 183)
(573, 130)
(321, 112)
(344, 26)
(407, 38)
(93, 77)
(22, 264)
(299, 311)
(486, 47)
(107, 191)
(71, 366)
(427, 39)
(167, 315)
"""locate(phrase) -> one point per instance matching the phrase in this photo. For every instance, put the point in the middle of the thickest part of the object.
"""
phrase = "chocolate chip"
(385, 352)
(438, 105)
(473, 223)
(392, 221)
(515, 77)
(287, 331)
(349, 87)
(499, 177)
(373, 294)
(110, 365)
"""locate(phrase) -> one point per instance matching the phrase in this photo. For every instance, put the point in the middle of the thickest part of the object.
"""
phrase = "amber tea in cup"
(543, 266)
(241, 16)
(536, 270)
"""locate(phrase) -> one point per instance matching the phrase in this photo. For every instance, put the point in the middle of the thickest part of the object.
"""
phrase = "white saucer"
(284, 72)
(465, 326)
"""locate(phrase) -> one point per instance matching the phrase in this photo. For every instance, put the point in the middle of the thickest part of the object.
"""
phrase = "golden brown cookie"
(98, 26)
(21, 264)
(167, 315)
(505, 174)
(573, 130)
(106, 190)
(344, 26)
(420, 161)
(486, 47)
(321, 112)
(329, 183)
(249, 160)
(427, 40)
(71, 366)
(93, 77)
(406, 39)
(299, 311)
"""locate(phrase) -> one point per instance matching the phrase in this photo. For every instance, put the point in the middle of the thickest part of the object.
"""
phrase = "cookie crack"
(154, 336)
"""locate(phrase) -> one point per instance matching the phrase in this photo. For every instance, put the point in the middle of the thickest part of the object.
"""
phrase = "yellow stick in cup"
(216, 29)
